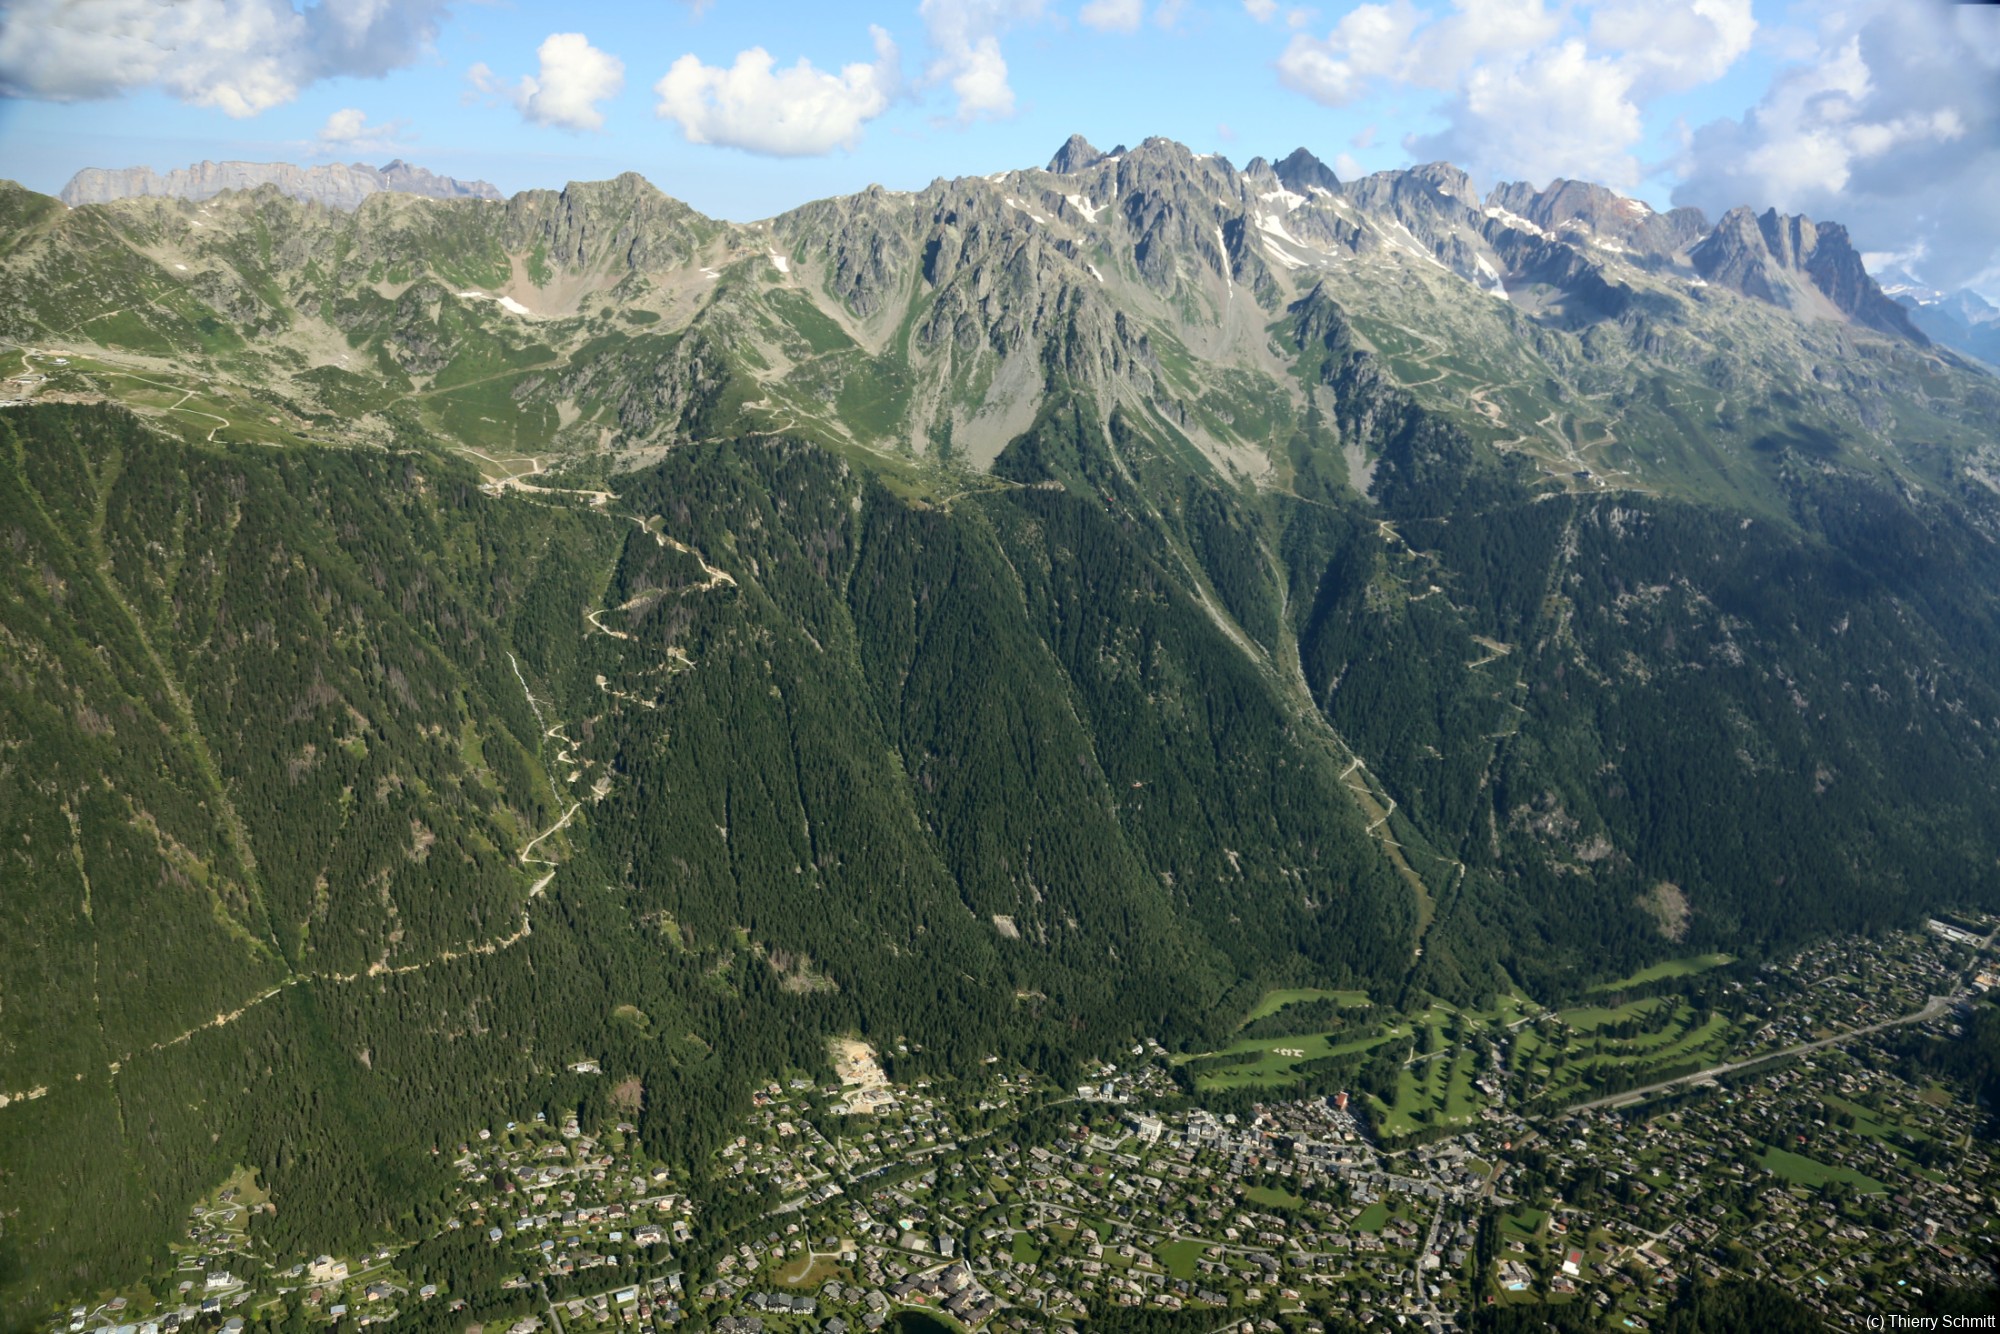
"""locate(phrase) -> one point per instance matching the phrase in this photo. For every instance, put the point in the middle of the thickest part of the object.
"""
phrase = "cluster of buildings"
(1825, 1172)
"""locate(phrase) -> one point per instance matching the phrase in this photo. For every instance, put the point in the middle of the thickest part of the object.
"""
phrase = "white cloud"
(1112, 15)
(1398, 43)
(965, 51)
(795, 112)
(348, 131)
(1370, 42)
(1532, 88)
(979, 77)
(241, 57)
(1261, 10)
(1675, 45)
(1477, 33)
(1891, 125)
(1561, 112)
(572, 79)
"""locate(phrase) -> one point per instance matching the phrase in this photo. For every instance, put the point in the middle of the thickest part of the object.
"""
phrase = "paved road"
(549, 1301)
(1937, 1006)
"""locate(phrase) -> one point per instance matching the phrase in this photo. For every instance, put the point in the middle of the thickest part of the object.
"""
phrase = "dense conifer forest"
(344, 798)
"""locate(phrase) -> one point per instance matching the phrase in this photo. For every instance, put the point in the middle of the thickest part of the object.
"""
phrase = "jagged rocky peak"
(1300, 172)
(1445, 181)
(334, 184)
(1804, 266)
(1077, 154)
(1602, 212)
(1433, 190)
(624, 222)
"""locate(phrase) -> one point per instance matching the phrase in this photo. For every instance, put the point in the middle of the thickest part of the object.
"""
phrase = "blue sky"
(1885, 115)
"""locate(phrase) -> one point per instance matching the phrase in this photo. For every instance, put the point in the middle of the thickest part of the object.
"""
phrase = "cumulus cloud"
(572, 79)
(1399, 43)
(1477, 36)
(964, 39)
(241, 57)
(1531, 88)
(1673, 47)
(1561, 112)
(799, 111)
(1112, 15)
(1370, 43)
(348, 131)
(1261, 10)
(1890, 125)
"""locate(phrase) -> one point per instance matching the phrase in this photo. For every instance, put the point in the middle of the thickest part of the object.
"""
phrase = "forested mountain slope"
(1018, 617)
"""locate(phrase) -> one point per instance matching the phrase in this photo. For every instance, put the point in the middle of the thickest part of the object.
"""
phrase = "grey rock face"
(334, 184)
(1074, 156)
(1301, 171)
(1602, 212)
(1788, 261)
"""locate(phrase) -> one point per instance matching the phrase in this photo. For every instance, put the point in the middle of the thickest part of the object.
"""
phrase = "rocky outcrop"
(334, 184)
(1601, 213)
(623, 224)
(1302, 172)
(1075, 155)
(1800, 265)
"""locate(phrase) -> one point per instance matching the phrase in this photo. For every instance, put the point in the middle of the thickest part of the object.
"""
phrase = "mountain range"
(334, 184)
(1963, 320)
(448, 640)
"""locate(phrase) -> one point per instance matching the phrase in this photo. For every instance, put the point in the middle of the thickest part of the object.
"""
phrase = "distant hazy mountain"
(1963, 320)
(340, 185)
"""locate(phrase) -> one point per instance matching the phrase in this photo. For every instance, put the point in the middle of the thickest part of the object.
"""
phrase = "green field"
(1372, 1219)
(1279, 997)
(1669, 1038)
(1873, 1126)
(1803, 1171)
(1273, 1198)
(1433, 1092)
(1273, 1061)
(1584, 1018)
(1178, 1258)
(1699, 963)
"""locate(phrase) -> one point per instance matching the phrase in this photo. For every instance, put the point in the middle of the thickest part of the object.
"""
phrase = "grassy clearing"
(1872, 1125)
(1178, 1258)
(1276, 1061)
(1278, 998)
(807, 1271)
(1272, 1197)
(1800, 1170)
(1587, 1018)
(1372, 1219)
(1434, 1092)
(1669, 968)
